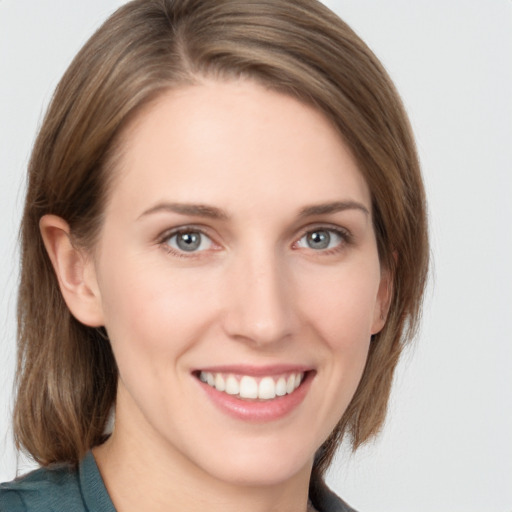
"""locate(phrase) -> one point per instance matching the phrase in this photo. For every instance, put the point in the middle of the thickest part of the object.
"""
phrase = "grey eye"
(320, 239)
(189, 241)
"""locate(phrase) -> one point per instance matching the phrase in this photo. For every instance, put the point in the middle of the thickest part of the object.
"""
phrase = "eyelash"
(344, 235)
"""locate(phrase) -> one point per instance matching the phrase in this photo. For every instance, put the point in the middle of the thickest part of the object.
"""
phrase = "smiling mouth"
(248, 387)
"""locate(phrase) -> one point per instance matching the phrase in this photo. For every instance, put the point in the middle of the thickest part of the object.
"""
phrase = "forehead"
(235, 143)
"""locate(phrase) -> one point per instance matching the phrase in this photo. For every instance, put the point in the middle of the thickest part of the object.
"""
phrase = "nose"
(260, 306)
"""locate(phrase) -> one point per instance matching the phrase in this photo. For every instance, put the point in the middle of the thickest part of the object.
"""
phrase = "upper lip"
(255, 371)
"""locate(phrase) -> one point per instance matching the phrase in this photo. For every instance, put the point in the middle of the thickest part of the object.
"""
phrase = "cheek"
(341, 305)
(338, 311)
(150, 312)
(152, 318)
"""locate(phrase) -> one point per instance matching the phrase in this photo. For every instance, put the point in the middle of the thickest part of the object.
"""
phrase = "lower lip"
(255, 410)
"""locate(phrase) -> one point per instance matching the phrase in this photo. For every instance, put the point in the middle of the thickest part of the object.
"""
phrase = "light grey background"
(447, 444)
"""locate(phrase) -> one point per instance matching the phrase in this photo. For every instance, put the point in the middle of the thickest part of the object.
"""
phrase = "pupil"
(319, 239)
(188, 241)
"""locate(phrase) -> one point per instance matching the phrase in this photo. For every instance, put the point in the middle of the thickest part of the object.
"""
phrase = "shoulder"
(58, 489)
(44, 490)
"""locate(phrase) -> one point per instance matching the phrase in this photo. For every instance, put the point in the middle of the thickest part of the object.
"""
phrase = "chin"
(258, 466)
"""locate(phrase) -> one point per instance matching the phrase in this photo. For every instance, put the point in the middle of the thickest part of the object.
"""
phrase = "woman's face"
(238, 279)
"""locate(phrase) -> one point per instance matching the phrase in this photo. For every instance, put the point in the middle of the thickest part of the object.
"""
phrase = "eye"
(321, 239)
(188, 241)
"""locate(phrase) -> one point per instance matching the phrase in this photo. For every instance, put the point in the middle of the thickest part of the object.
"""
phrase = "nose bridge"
(260, 306)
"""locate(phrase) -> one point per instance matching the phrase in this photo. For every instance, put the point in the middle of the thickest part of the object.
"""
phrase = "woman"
(224, 240)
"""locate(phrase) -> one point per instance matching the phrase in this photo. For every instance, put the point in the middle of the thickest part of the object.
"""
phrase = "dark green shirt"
(62, 489)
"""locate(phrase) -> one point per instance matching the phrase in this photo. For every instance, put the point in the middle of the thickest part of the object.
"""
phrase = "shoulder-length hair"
(67, 374)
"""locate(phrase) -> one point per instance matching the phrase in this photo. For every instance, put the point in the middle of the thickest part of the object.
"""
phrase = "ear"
(74, 270)
(383, 301)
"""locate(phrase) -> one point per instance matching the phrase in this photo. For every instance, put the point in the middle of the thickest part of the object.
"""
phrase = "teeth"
(220, 383)
(290, 383)
(248, 387)
(232, 386)
(267, 388)
(281, 387)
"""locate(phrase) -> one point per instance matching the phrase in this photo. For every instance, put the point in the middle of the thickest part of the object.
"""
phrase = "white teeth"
(281, 387)
(220, 383)
(248, 387)
(267, 388)
(290, 383)
(232, 386)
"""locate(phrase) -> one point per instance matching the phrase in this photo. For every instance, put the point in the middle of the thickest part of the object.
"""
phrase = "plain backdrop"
(447, 443)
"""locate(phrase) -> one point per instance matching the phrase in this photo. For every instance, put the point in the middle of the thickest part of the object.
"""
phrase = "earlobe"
(74, 270)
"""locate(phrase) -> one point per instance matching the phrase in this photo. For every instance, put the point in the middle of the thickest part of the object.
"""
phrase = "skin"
(254, 293)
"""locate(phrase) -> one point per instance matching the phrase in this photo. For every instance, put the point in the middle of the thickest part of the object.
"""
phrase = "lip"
(254, 410)
(255, 371)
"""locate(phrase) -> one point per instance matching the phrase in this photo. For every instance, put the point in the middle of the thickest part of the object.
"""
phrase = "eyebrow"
(212, 212)
(196, 210)
(333, 207)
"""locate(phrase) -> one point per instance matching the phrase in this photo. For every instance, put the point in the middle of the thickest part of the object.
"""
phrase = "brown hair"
(67, 374)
